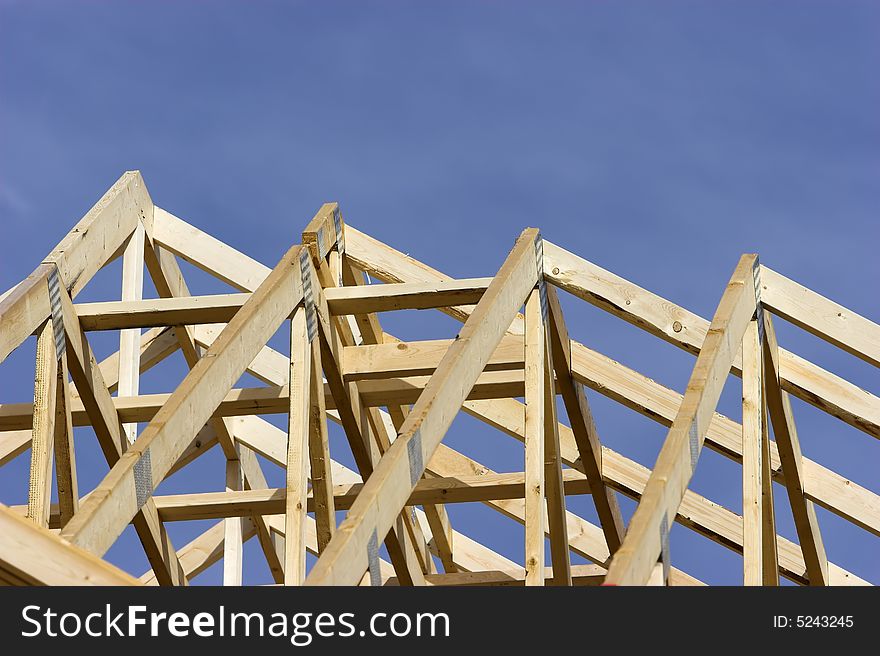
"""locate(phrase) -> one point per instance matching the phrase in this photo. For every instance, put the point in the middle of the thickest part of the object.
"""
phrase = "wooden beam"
(232, 529)
(102, 518)
(752, 467)
(297, 451)
(832, 491)
(405, 296)
(156, 312)
(130, 338)
(578, 276)
(802, 509)
(396, 475)
(206, 252)
(656, 402)
(769, 548)
(204, 550)
(535, 352)
(370, 330)
(823, 317)
(156, 344)
(32, 555)
(85, 249)
(406, 359)
(829, 489)
(583, 427)
(271, 400)
(318, 444)
(582, 575)
(586, 539)
(45, 392)
(649, 528)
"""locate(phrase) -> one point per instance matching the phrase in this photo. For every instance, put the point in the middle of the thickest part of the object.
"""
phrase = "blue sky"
(659, 140)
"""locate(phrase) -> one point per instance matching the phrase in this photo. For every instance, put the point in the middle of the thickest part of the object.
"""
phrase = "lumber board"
(754, 436)
(130, 338)
(159, 312)
(297, 470)
(44, 431)
(405, 296)
(232, 530)
(395, 359)
(820, 316)
(535, 364)
(582, 575)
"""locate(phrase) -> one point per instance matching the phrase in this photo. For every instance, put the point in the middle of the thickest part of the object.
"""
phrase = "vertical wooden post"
(752, 467)
(130, 338)
(297, 451)
(535, 365)
(45, 389)
(232, 529)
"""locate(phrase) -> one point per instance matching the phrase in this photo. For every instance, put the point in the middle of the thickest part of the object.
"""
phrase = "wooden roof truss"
(395, 401)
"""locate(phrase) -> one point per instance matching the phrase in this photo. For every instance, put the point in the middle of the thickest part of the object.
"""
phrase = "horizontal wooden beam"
(462, 489)
(402, 359)
(581, 575)
(220, 308)
(405, 296)
(154, 312)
